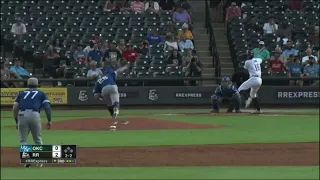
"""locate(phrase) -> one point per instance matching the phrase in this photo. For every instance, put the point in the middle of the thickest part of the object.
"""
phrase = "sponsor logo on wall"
(188, 95)
(297, 94)
(83, 96)
(153, 95)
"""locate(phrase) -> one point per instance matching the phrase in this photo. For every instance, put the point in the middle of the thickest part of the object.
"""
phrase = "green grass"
(240, 129)
(165, 173)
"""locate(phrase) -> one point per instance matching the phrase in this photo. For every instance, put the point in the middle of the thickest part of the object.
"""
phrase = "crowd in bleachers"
(284, 33)
(84, 38)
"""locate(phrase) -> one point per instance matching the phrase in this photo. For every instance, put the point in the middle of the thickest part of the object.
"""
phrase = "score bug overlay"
(30, 154)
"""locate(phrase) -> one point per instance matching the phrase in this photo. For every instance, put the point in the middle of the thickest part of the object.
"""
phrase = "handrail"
(212, 41)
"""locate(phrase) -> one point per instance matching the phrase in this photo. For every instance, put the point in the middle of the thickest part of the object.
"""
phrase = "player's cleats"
(248, 102)
(27, 165)
(229, 110)
(215, 111)
(115, 113)
(238, 111)
(256, 112)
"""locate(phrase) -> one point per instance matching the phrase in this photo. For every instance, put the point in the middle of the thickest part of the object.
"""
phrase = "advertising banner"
(193, 95)
(55, 95)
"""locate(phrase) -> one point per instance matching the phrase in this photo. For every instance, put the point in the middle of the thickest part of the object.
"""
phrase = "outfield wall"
(196, 95)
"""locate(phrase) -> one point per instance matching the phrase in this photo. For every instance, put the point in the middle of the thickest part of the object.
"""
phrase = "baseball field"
(174, 144)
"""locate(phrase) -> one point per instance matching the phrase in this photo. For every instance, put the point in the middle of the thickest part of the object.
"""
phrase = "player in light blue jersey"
(26, 112)
(106, 89)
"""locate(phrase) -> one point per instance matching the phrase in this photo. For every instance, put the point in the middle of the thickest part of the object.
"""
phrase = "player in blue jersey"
(226, 91)
(26, 112)
(106, 89)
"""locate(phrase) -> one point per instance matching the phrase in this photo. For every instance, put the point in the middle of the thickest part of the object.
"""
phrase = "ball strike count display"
(30, 154)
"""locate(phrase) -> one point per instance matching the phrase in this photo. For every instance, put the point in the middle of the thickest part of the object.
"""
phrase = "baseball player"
(253, 83)
(226, 91)
(106, 89)
(26, 111)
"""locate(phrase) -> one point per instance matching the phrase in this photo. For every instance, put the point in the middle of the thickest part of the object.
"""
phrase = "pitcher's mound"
(135, 124)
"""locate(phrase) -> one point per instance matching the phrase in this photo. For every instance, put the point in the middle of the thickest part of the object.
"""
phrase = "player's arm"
(47, 108)
(245, 65)
(15, 108)
(121, 69)
(218, 91)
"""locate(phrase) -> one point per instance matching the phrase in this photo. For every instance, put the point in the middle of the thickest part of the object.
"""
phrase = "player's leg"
(115, 99)
(36, 127)
(23, 128)
(107, 99)
(215, 100)
(254, 95)
(236, 101)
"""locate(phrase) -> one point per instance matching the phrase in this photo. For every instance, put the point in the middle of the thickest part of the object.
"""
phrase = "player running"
(226, 91)
(106, 89)
(26, 112)
(254, 82)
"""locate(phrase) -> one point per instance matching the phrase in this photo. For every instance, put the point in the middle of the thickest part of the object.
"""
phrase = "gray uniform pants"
(29, 121)
(110, 94)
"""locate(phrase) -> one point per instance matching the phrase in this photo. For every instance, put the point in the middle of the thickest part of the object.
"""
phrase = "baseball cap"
(261, 43)
(33, 81)
(114, 42)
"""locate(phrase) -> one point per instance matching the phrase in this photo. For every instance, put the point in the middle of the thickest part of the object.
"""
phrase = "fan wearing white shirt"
(94, 72)
(305, 59)
(170, 44)
(254, 82)
(151, 6)
(271, 27)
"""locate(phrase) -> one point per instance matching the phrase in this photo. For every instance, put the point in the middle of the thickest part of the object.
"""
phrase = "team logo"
(24, 148)
(153, 95)
(83, 95)
(25, 155)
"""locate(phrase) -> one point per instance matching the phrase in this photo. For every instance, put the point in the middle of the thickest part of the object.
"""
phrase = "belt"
(254, 76)
(35, 110)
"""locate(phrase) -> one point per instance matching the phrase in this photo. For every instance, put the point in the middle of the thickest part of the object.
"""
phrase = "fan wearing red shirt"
(276, 65)
(130, 54)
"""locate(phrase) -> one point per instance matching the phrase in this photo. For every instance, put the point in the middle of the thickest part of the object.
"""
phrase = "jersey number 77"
(30, 93)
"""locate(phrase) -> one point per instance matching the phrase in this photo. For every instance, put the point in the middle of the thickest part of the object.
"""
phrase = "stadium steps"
(223, 49)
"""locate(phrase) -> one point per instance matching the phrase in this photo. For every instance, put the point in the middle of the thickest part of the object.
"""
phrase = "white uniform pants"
(254, 83)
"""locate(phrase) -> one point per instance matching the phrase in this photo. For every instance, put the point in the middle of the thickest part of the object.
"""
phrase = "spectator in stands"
(311, 69)
(261, 52)
(113, 52)
(284, 32)
(282, 57)
(181, 16)
(58, 45)
(193, 69)
(252, 24)
(270, 27)
(104, 46)
(186, 57)
(233, 11)
(170, 44)
(276, 65)
(295, 5)
(123, 6)
(18, 72)
(185, 32)
(170, 28)
(18, 28)
(95, 55)
(154, 38)
(314, 36)
(143, 48)
(137, 6)
(184, 4)
(109, 6)
(51, 61)
(295, 70)
(216, 10)
(88, 48)
(152, 6)
(167, 5)
(79, 55)
(122, 45)
(5, 75)
(185, 44)
(306, 58)
(130, 54)
(94, 72)
(289, 50)
(174, 59)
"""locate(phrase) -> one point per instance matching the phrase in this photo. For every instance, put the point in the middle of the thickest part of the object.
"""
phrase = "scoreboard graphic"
(46, 154)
